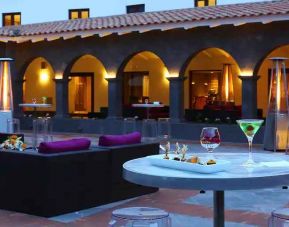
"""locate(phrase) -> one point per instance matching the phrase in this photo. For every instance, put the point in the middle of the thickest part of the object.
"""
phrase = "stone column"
(61, 91)
(115, 103)
(17, 88)
(249, 96)
(177, 111)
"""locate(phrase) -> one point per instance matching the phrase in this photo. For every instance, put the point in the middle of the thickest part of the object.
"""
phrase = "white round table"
(147, 106)
(140, 171)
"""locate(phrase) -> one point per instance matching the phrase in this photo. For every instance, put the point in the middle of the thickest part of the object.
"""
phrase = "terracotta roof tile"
(152, 18)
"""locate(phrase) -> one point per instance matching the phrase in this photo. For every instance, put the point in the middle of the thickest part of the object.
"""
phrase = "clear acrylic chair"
(164, 128)
(13, 125)
(129, 125)
(279, 218)
(149, 129)
(140, 217)
(42, 131)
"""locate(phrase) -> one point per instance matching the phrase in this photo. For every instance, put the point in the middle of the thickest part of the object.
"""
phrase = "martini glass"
(250, 127)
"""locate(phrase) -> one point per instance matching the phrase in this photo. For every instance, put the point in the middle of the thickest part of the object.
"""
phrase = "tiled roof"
(169, 17)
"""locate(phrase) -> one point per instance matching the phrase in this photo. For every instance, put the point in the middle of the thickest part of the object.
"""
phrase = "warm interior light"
(44, 76)
(110, 75)
(44, 73)
(247, 72)
(171, 74)
(5, 87)
(146, 81)
(58, 76)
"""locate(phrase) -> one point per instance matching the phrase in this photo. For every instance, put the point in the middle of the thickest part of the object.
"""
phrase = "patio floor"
(187, 208)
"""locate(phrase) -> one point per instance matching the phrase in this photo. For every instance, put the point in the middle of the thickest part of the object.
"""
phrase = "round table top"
(140, 171)
(148, 105)
(35, 105)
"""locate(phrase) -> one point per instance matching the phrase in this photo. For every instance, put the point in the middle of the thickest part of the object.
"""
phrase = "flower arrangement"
(13, 142)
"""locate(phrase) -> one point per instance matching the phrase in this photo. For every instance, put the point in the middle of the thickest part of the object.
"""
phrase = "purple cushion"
(63, 146)
(113, 140)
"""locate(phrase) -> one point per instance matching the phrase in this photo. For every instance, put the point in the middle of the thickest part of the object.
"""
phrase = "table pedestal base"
(219, 209)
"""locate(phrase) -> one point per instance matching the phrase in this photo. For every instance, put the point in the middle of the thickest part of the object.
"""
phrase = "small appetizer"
(211, 162)
(194, 159)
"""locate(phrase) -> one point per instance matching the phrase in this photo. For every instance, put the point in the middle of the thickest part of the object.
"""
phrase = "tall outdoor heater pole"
(6, 95)
(277, 121)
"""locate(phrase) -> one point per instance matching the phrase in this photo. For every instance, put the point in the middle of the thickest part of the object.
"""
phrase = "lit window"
(78, 13)
(212, 2)
(202, 3)
(11, 19)
(135, 8)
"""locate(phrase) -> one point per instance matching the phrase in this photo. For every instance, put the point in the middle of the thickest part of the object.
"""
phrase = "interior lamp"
(227, 92)
(6, 97)
(277, 121)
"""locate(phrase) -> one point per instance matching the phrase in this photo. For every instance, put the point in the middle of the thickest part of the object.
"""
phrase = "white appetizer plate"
(158, 160)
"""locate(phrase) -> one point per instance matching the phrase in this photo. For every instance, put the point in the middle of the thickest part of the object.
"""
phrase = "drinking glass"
(250, 127)
(210, 138)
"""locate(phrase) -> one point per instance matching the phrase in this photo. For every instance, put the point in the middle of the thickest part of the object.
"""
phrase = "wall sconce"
(6, 95)
(277, 121)
(246, 72)
(227, 92)
(172, 75)
(44, 75)
(109, 75)
(58, 76)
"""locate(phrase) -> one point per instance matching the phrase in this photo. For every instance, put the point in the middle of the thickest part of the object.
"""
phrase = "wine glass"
(250, 127)
(210, 138)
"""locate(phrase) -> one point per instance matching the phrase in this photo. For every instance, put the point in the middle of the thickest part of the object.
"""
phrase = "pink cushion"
(64, 145)
(113, 140)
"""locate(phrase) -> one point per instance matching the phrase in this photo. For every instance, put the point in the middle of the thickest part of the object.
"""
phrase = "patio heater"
(277, 121)
(227, 92)
(6, 97)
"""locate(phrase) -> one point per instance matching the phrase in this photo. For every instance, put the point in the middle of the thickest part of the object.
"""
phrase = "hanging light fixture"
(6, 97)
(277, 121)
(227, 91)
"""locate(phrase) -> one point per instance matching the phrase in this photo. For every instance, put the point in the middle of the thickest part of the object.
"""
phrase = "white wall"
(34, 11)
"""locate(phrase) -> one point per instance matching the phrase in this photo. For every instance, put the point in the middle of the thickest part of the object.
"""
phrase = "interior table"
(141, 171)
(35, 105)
(147, 106)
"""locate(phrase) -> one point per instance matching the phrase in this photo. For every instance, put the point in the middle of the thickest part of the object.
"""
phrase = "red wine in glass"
(210, 138)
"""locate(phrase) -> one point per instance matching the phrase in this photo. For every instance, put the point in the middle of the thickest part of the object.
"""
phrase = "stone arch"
(156, 79)
(90, 69)
(38, 75)
(212, 60)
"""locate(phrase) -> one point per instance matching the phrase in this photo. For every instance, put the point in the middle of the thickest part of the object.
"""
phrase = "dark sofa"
(52, 184)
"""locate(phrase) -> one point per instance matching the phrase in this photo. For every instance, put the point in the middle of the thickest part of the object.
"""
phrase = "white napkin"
(275, 164)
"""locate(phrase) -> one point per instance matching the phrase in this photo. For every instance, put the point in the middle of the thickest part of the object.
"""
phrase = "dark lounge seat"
(52, 184)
